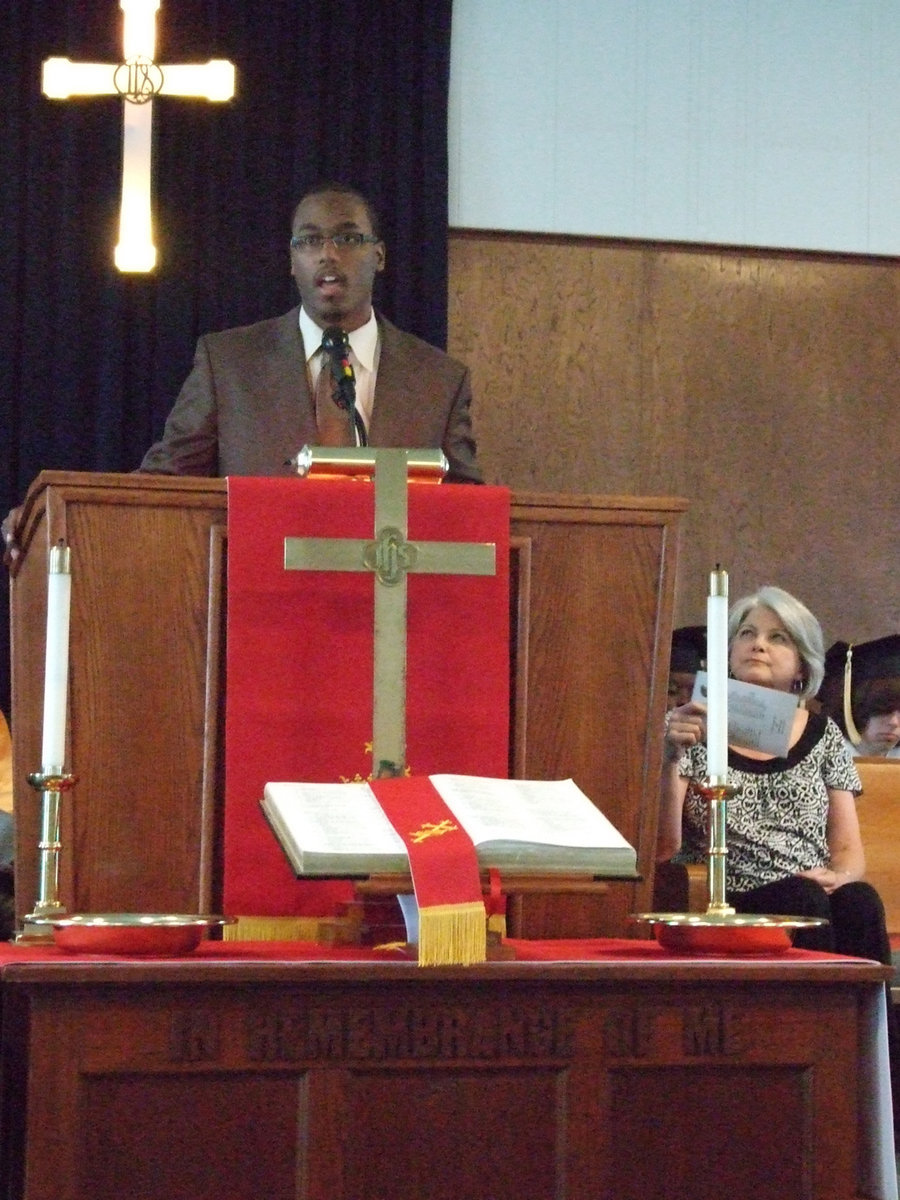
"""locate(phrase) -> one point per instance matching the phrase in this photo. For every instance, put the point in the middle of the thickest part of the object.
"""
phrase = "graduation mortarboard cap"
(877, 660)
(865, 662)
(688, 649)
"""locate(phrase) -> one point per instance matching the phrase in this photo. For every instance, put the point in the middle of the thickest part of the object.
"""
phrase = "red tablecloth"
(623, 950)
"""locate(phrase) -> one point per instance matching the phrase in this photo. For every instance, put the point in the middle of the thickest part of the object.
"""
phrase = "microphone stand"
(345, 389)
(362, 438)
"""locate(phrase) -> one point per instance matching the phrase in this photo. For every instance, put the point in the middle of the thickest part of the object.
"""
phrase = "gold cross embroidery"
(428, 829)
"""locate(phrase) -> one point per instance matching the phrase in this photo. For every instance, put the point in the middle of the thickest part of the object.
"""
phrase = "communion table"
(585, 1070)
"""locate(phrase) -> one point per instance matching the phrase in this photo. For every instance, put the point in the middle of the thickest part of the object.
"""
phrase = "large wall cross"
(390, 557)
(137, 79)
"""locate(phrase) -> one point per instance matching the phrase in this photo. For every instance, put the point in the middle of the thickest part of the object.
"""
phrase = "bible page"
(546, 813)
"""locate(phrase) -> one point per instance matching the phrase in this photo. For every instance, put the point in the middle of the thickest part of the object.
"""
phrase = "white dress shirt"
(364, 350)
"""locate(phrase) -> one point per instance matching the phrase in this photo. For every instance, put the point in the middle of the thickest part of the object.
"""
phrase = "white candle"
(717, 676)
(56, 663)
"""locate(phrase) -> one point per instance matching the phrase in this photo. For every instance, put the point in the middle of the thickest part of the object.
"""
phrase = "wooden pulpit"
(591, 601)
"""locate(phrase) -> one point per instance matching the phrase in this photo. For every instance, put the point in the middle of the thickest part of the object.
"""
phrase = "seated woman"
(861, 691)
(792, 833)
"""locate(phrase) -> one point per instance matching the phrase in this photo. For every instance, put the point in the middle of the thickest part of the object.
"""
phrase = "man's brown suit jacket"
(246, 409)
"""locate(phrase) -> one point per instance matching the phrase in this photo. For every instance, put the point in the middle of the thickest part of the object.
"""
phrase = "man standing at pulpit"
(249, 404)
(255, 394)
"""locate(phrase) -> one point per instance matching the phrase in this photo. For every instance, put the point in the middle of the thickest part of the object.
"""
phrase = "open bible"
(516, 825)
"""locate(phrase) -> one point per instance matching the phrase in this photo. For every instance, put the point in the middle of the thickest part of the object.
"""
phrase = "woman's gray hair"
(803, 627)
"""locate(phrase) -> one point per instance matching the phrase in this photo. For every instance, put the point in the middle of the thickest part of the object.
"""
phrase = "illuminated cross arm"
(137, 79)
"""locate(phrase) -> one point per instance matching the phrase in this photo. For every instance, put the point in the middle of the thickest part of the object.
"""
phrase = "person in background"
(792, 833)
(688, 656)
(861, 691)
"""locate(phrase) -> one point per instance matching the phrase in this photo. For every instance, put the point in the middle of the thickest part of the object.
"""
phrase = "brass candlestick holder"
(51, 784)
(717, 796)
(721, 930)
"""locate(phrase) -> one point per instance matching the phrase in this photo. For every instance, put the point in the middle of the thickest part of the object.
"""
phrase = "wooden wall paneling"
(762, 386)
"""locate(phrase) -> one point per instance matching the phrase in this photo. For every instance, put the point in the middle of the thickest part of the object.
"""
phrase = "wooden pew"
(879, 821)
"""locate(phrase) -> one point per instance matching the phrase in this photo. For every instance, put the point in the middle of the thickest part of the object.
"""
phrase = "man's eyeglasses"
(340, 241)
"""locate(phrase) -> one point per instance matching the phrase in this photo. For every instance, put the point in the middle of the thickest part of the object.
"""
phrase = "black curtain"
(354, 90)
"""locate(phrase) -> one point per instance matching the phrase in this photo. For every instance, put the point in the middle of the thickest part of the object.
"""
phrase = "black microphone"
(336, 345)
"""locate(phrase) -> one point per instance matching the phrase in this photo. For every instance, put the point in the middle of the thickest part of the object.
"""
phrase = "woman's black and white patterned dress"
(776, 823)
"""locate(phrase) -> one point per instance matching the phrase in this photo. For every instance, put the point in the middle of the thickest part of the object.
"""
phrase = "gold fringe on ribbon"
(328, 931)
(452, 934)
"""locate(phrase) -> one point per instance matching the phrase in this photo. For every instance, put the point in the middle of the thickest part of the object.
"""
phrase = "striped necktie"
(333, 421)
